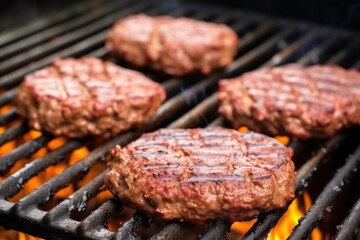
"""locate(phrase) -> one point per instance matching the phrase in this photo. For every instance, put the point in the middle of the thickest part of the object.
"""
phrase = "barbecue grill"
(80, 31)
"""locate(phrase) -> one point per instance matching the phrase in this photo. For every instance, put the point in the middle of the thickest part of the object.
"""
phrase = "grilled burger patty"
(198, 175)
(174, 46)
(86, 96)
(293, 100)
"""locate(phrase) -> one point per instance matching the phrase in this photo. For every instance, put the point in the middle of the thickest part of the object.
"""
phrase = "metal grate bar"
(350, 227)
(13, 132)
(325, 200)
(356, 65)
(316, 54)
(67, 39)
(343, 54)
(267, 221)
(78, 49)
(13, 184)
(28, 148)
(130, 229)
(59, 219)
(15, 78)
(285, 54)
(196, 115)
(45, 192)
(216, 231)
(46, 22)
(8, 116)
(266, 48)
(75, 49)
(264, 30)
(242, 27)
(220, 121)
(71, 25)
(172, 231)
(90, 228)
(8, 96)
(98, 53)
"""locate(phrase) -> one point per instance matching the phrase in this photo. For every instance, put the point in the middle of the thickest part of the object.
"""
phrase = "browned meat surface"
(86, 96)
(174, 46)
(199, 175)
(302, 102)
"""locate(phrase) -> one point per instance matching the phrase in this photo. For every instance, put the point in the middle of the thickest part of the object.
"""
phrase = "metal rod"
(345, 53)
(13, 184)
(13, 132)
(67, 39)
(62, 29)
(172, 231)
(251, 39)
(216, 123)
(89, 227)
(315, 55)
(8, 96)
(286, 53)
(26, 149)
(8, 116)
(324, 202)
(266, 48)
(216, 231)
(129, 231)
(349, 228)
(196, 115)
(98, 53)
(45, 191)
(59, 219)
(267, 221)
(356, 65)
(96, 40)
(45, 22)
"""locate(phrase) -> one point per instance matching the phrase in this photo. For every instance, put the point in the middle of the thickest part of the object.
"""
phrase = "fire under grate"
(191, 103)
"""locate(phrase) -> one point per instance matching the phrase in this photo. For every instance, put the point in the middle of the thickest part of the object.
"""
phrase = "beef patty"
(86, 96)
(293, 100)
(199, 175)
(174, 46)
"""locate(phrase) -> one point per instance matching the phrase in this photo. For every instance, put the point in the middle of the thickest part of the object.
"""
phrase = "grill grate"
(191, 103)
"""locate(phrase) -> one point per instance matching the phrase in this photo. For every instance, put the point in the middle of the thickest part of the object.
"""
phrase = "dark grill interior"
(191, 102)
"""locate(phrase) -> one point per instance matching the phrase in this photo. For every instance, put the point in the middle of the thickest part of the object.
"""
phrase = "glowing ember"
(286, 223)
(243, 129)
(283, 139)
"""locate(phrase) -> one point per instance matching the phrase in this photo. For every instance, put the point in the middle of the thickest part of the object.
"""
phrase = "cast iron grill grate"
(191, 103)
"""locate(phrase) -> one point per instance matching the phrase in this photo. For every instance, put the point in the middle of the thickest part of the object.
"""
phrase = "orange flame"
(286, 223)
(290, 219)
